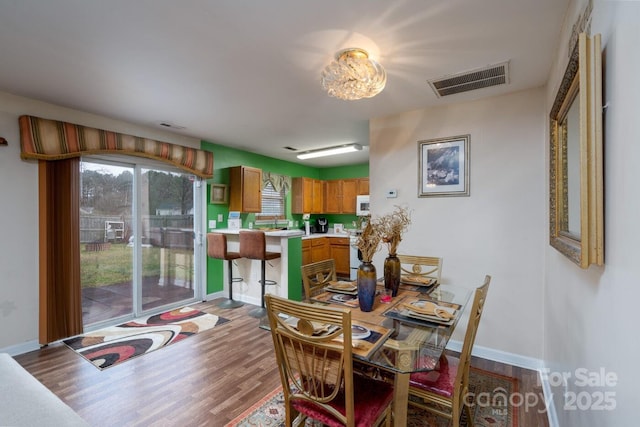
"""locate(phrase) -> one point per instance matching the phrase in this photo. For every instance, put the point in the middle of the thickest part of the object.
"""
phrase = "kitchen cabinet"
(336, 196)
(363, 186)
(339, 251)
(306, 251)
(318, 196)
(308, 195)
(245, 189)
(349, 191)
(319, 249)
(340, 196)
(333, 196)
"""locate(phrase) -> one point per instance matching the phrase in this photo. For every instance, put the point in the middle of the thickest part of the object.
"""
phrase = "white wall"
(19, 214)
(590, 315)
(500, 229)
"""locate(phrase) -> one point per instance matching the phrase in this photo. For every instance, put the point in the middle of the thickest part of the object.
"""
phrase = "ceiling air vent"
(491, 75)
(169, 125)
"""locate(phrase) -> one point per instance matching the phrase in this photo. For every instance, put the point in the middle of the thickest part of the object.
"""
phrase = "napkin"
(418, 279)
(430, 309)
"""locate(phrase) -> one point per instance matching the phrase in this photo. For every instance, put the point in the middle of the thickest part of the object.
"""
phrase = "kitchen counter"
(273, 233)
(328, 234)
(284, 270)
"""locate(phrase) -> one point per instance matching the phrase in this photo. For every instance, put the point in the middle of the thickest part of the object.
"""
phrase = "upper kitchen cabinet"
(340, 196)
(333, 196)
(308, 196)
(318, 196)
(245, 189)
(363, 186)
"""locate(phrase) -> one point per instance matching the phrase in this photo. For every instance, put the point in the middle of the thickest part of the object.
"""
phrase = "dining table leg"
(400, 398)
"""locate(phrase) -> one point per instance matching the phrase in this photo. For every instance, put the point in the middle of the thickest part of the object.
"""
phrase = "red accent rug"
(116, 344)
(491, 407)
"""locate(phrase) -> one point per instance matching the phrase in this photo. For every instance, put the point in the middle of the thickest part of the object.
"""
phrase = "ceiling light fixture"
(353, 75)
(330, 151)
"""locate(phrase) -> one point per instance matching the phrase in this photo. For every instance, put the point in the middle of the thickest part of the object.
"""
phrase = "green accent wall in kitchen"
(225, 157)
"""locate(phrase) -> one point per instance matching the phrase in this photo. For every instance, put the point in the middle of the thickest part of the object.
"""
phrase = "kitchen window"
(272, 202)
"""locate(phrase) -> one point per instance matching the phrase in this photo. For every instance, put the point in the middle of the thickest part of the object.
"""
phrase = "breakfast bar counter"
(284, 270)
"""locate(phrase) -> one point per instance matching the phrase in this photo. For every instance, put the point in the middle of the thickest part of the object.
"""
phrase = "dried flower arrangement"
(369, 240)
(392, 226)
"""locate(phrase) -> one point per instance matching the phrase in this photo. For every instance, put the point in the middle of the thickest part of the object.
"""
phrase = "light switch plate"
(212, 224)
(220, 218)
(392, 193)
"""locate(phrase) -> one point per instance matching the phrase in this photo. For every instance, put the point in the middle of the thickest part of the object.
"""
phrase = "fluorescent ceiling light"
(349, 148)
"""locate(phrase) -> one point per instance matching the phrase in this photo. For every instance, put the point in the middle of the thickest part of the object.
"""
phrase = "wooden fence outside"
(166, 231)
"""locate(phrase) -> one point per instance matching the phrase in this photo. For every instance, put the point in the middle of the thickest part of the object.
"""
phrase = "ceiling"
(246, 73)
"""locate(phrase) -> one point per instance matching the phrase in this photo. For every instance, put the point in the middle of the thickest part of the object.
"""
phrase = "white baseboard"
(214, 295)
(520, 361)
(243, 298)
(500, 356)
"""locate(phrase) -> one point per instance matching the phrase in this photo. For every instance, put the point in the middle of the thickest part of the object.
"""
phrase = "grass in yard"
(115, 264)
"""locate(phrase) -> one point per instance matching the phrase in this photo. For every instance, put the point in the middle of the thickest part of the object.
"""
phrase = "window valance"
(53, 140)
(279, 182)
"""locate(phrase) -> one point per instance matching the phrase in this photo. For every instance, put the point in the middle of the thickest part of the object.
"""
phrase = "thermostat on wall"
(392, 193)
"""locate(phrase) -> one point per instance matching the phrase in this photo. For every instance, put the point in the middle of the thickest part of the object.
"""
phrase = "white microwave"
(362, 205)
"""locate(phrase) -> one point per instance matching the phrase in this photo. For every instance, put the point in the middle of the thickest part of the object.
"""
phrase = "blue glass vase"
(366, 285)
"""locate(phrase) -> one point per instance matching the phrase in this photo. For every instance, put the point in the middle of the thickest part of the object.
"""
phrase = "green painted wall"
(344, 172)
(226, 157)
(295, 275)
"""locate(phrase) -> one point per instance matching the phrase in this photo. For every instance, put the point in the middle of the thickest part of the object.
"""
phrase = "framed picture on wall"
(218, 194)
(443, 167)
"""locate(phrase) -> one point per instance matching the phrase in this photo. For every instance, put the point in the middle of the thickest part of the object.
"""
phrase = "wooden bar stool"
(253, 245)
(217, 248)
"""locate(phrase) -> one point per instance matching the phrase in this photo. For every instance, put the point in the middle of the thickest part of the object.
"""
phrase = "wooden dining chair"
(443, 390)
(317, 275)
(422, 266)
(317, 370)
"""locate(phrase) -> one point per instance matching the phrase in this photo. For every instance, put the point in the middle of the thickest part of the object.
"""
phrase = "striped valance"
(52, 140)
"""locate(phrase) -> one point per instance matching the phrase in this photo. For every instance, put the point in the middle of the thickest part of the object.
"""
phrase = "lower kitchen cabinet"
(339, 251)
(306, 251)
(321, 248)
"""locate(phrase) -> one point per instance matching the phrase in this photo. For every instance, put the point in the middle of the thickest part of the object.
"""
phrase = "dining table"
(402, 339)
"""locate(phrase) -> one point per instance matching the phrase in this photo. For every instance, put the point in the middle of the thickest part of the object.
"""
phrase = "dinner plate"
(359, 332)
(342, 298)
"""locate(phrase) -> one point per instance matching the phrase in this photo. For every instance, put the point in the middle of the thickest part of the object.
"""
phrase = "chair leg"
(230, 303)
(470, 414)
(261, 312)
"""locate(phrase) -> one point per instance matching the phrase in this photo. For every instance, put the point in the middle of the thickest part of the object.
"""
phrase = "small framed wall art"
(218, 194)
(443, 167)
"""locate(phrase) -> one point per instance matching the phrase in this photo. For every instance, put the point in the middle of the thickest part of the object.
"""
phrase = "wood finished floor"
(205, 380)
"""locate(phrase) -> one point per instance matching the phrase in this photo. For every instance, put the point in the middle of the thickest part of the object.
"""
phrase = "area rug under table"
(110, 346)
(490, 394)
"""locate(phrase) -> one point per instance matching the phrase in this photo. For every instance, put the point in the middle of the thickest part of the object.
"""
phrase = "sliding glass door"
(167, 225)
(137, 229)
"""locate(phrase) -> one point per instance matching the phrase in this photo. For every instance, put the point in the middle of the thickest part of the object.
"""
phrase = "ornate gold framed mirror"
(575, 170)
